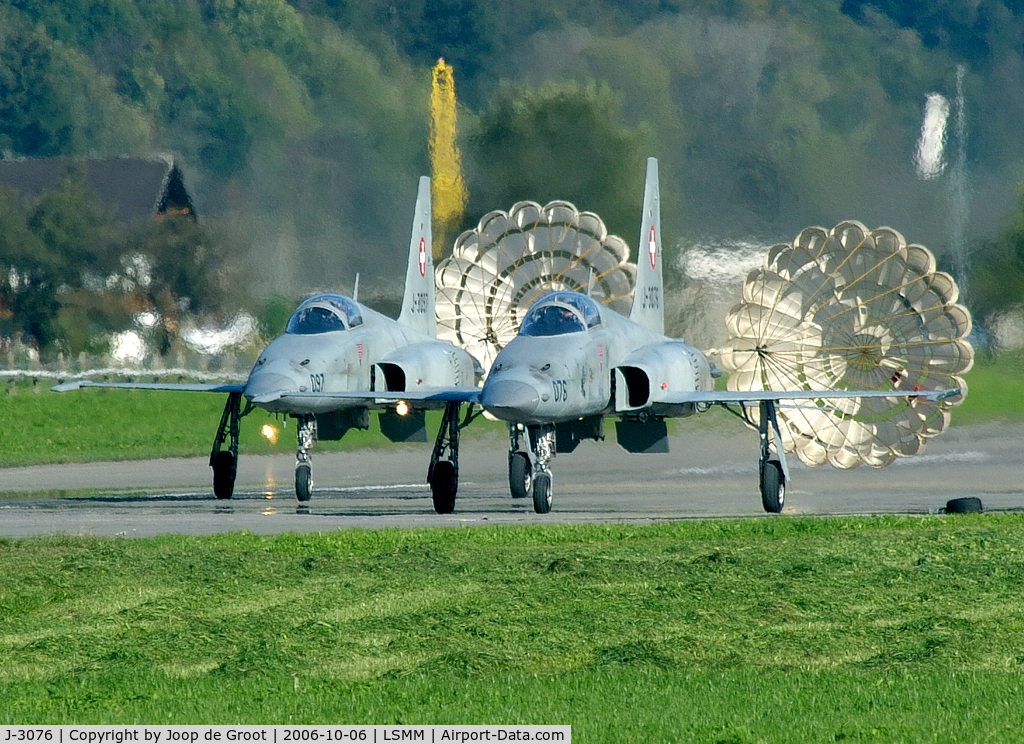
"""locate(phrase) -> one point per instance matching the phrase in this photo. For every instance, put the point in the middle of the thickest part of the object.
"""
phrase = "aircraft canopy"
(559, 313)
(324, 313)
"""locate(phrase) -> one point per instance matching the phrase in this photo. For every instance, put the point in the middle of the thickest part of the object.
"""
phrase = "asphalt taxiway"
(710, 473)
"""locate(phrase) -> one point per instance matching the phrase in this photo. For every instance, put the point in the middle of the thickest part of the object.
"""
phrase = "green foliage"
(306, 122)
(34, 119)
(50, 249)
(997, 270)
(562, 141)
(274, 314)
(69, 275)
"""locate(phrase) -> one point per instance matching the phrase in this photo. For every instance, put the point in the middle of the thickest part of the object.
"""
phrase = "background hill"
(301, 126)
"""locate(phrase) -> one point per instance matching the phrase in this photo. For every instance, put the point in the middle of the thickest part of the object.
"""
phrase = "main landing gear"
(528, 472)
(443, 474)
(225, 462)
(772, 470)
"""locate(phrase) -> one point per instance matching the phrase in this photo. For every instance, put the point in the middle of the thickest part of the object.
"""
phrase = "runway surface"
(711, 472)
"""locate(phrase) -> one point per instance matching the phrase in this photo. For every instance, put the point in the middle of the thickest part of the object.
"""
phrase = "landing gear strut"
(443, 474)
(528, 472)
(772, 470)
(225, 462)
(306, 436)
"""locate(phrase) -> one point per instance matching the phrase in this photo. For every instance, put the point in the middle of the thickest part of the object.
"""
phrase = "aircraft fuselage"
(378, 354)
(612, 366)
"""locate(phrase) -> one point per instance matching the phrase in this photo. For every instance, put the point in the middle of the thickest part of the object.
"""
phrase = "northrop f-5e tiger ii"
(336, 360)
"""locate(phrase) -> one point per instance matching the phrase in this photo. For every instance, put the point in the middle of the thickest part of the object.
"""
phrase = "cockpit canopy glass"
(559, 313)
(324, 313)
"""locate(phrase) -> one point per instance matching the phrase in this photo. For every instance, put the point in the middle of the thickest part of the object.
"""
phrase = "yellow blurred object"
(448, 190)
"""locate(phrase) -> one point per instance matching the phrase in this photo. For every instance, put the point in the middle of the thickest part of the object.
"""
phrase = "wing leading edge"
(191, 387)
(741, 397)
(448, 395)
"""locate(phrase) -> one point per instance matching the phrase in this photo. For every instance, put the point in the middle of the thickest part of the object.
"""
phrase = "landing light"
(402, 408)
(269, 433)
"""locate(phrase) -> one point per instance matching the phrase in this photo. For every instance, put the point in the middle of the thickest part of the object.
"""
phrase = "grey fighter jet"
(574, 362)
(336, 360)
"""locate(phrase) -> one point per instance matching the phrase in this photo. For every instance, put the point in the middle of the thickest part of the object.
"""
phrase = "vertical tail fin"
(418, 302)
(648, 298)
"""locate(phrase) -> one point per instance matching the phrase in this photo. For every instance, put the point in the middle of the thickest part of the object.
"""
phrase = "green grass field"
(765, 630)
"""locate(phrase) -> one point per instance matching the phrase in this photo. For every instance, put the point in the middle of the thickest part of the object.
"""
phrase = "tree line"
(302, 125)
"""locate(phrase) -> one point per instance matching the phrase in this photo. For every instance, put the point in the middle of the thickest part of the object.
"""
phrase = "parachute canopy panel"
(497, 270)
(846, 309)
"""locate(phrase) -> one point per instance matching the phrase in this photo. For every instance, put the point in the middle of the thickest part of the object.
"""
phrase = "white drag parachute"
(851, 309)
(511, 258)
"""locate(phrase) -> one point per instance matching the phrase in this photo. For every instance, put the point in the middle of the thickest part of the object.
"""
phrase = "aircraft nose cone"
(265, 383)
(510, 400)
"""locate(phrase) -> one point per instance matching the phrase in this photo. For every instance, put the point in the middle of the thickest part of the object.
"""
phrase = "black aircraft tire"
(303, 482)
(542, 493)
(773, 487)
(224, 469)
(520, 475)
(966, 505)
(443, 486)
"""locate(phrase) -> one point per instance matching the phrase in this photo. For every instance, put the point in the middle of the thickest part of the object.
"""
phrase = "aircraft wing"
(192, 387)
(745, 397)
(450, 395)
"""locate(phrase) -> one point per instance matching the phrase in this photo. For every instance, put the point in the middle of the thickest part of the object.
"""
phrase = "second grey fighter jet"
(575, 361)
(336, 360)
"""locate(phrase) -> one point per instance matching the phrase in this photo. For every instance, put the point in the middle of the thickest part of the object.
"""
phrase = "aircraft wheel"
(966, 505)
(303, 482)
(224, 468)
(443, 486)
(520, 475)
(773, 487)
(542, 493)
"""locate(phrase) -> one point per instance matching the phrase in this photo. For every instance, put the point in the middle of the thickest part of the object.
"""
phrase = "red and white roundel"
(652, 247)
(423, 257)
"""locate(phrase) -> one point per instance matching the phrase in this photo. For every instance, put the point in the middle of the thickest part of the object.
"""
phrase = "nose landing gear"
(528, 471)
(306, 435)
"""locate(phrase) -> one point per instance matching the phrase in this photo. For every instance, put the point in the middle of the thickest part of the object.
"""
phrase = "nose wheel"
(528, 471)
(520, 475)
(542, 493)
(306, 435)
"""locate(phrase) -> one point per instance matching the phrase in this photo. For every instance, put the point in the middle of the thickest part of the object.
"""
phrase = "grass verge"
(99, 425)
(767, 630)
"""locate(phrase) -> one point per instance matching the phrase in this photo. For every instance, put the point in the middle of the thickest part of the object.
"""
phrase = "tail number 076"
(560, 388)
